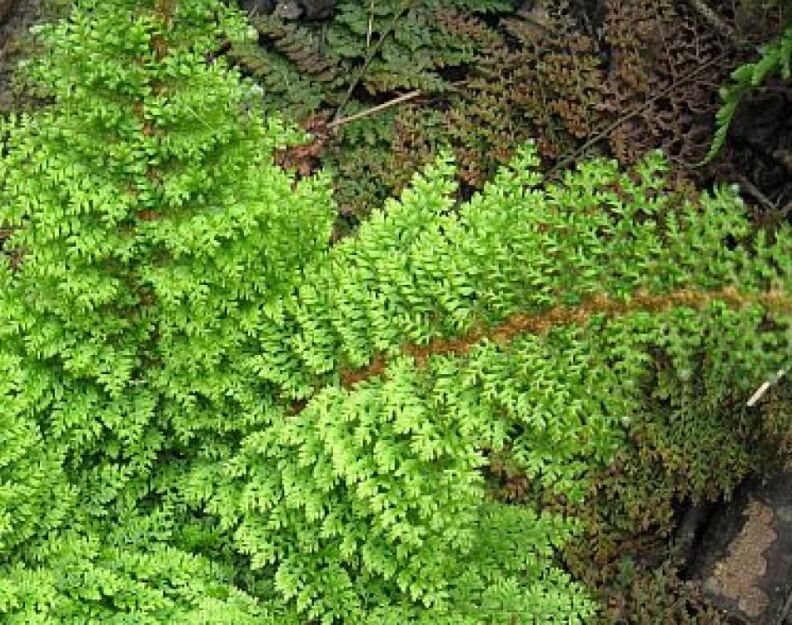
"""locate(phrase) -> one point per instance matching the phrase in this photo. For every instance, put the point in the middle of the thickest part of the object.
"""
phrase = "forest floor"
(623, 81)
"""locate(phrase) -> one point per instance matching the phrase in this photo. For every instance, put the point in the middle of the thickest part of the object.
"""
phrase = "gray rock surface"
(261, 7)
(5, 9)
(745, 559)
(291, 9)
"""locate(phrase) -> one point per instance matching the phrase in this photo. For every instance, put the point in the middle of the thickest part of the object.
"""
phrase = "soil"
(5, 8)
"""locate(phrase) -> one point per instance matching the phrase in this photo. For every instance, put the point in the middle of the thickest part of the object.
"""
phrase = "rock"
(745, 559)
(5, 9)
(259, 7)
(318, 9)
(290, 9)
(738, 575)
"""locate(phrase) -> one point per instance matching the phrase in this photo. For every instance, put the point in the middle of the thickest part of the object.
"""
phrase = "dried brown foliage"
(653, 44)
(304, 158)
(536, 77)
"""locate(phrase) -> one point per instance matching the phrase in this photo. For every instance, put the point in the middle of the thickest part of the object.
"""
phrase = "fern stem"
(520, 324)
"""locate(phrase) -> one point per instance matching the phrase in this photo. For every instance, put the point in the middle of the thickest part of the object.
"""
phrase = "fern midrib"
(520, 324)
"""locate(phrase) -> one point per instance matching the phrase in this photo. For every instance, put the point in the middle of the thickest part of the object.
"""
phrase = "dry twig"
(759, 393)
(750, 188)
(411, 95)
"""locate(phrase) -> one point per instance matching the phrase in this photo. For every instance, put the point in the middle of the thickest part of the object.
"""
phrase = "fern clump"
(137, 265)
(214, 416)
(508, 325)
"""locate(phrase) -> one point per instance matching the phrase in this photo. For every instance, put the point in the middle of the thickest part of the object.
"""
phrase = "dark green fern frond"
(302, 47)
(383, 47)
(299, 75)
(285, 89)
(402, 45)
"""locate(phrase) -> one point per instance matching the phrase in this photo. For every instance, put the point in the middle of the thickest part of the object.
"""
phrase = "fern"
(383, 45)
(454, 288)
(520, 84)
(775, 58)
(131, 257)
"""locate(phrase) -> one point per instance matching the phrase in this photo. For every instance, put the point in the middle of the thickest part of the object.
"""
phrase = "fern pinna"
(210, 415)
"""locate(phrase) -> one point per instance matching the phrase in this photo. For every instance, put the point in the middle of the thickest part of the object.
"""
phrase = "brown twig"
(411, 95)
(751, 189)
(602, 134)
(779, 620)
